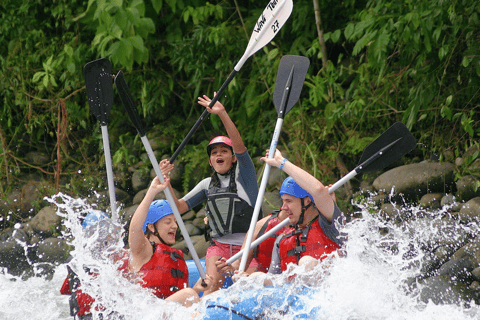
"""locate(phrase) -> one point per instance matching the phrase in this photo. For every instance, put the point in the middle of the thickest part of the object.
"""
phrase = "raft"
(265, 303)
(194, 275)
(255, 303)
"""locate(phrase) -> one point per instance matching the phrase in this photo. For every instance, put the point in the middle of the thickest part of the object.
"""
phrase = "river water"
(369, 282)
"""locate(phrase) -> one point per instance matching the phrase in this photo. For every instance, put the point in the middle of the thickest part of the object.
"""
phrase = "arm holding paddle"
(140, 249)
(166, 167)
(323, 200)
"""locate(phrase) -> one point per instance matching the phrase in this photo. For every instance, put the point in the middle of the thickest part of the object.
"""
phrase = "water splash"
(377, 279)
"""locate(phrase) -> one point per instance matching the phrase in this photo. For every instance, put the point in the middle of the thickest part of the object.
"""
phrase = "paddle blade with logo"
(290, 78)
(99, 84)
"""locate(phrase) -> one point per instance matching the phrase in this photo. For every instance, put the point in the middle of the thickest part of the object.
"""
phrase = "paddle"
(290, 78)
(393, 144)
(131, 109)
(268, 24)
(99, 85)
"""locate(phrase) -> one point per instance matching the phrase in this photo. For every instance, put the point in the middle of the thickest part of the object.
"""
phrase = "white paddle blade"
(268, 24)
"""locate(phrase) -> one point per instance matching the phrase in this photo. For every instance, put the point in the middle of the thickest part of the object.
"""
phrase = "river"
(369, 282)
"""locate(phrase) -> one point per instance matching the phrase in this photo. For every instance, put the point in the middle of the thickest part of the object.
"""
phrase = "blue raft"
(257, 303)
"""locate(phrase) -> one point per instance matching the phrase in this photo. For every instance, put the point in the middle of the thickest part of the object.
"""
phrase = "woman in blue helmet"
(312, 211)
(152, 233)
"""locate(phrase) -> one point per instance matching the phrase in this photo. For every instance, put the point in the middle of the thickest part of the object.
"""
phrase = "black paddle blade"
(290, 78)
(394, 143)
(128, 103)
(99, 84)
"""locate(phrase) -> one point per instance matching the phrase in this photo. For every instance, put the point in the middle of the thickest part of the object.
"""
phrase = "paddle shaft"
(255, 243)
(261, 193)
(176, 213)
(272, 231)
(257, 40)
(108, 164)
(273, 146)
(203, 116)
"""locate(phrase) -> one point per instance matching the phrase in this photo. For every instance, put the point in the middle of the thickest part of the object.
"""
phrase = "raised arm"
(232, 131)
(319, 192)
(140, 249)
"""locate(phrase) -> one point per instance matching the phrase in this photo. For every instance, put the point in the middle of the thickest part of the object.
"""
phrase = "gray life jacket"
(227, 212)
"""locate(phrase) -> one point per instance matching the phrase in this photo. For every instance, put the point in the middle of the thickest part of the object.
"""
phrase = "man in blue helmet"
(312, 211)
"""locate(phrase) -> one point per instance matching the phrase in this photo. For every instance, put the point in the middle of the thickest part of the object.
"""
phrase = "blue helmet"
(289, 186)
(93, 217)
(158, 209)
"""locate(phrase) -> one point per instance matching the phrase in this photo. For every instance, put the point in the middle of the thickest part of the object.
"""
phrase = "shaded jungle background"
(372, 63)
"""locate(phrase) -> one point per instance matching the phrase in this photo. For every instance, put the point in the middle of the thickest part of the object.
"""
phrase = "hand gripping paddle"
(290, 78)
(130, 108)
(268, 24)
(393, 144)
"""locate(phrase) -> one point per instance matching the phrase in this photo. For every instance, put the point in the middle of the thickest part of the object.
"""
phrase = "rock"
(46, 221)
(450, 203)
(53, 250)
(417, 179)
(467, 188)
(470, 211)
(431, 200)
(442, 290)
(189, 215)
(458, 270)
(140, 180)
(271, 201)
(12, 257)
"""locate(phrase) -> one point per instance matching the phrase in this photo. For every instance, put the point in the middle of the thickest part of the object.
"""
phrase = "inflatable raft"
(264, 303)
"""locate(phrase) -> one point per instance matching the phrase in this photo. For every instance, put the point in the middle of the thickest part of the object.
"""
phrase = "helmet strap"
(302, 215)
(156, 234)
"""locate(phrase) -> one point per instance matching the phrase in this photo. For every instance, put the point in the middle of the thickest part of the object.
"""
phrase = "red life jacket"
(80, 302)
(166, 272)
(308, 241)
(263, 253)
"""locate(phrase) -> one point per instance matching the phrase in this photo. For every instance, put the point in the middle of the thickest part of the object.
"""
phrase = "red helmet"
(219, 140)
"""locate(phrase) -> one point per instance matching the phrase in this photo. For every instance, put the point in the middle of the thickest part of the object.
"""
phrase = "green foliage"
(388, 61)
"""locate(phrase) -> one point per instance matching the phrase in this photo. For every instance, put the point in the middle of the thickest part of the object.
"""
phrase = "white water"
(369, 283)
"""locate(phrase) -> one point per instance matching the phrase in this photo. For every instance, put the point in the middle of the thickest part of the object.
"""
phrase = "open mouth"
(220, 161)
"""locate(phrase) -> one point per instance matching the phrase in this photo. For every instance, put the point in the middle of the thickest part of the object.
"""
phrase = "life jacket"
(227, 212)
(166, 272)
(308, 241)
(80, 302)
(263, 252)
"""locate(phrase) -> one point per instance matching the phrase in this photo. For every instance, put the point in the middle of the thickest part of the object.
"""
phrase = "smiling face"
(167, 229)
(293, 206)
(221, 158)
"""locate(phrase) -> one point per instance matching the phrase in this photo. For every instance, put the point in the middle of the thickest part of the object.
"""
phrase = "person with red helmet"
(161, 267)
(230, 193)
(314, 214)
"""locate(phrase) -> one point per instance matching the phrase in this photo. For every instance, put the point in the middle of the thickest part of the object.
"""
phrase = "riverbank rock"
(417, 179)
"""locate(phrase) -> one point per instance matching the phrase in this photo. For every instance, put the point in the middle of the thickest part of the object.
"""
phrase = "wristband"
(283, 162)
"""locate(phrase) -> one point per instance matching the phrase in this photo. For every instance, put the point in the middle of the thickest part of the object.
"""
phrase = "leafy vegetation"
(411, 61)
